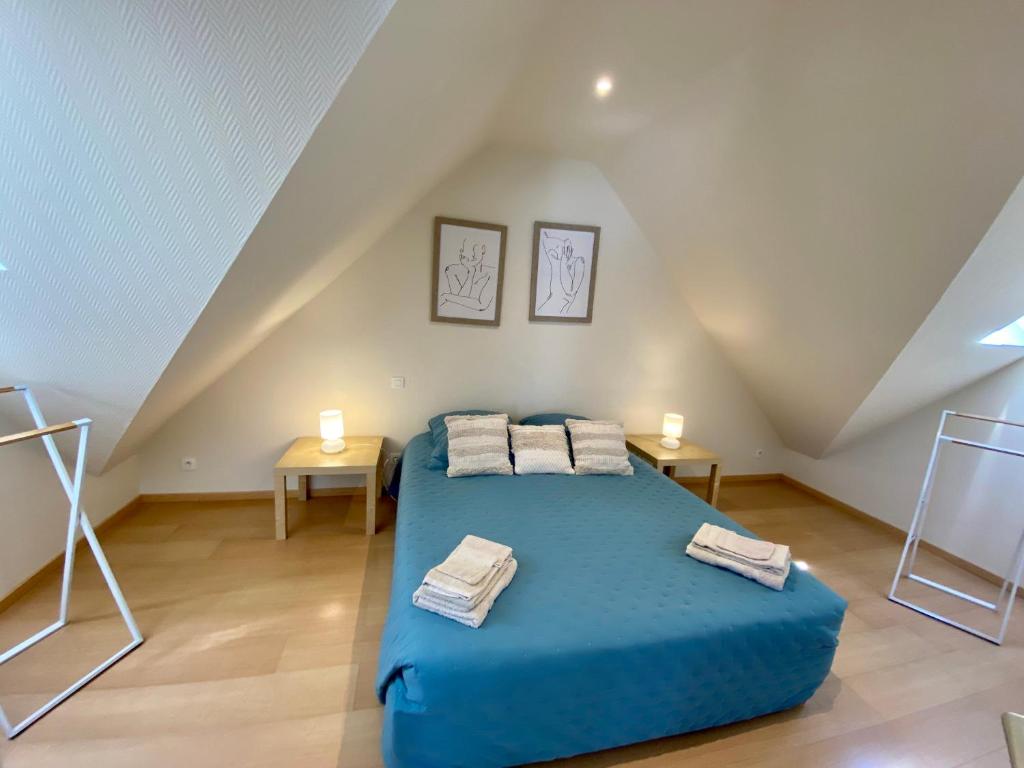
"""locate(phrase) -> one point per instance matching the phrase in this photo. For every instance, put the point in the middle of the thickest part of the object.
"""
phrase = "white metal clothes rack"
(1008, 591)
(77, 518)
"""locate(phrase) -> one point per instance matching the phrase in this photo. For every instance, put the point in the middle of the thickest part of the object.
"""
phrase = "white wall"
(976, 508)
(34, 513)
(644, 353)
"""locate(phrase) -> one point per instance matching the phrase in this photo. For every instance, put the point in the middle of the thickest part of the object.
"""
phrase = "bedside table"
(650, 449)
(303, 459)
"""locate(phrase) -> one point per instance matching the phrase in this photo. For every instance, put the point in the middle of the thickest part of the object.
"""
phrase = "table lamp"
(672, 429)
(332, 430)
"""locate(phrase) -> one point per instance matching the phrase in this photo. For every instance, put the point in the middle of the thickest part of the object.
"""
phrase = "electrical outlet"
(759, 452)
(398, 382)
(189, 464)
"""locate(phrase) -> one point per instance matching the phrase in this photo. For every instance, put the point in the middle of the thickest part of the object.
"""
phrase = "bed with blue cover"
(607, 635)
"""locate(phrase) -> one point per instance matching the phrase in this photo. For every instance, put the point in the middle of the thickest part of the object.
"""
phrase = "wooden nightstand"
(650, 449)
(362, 456)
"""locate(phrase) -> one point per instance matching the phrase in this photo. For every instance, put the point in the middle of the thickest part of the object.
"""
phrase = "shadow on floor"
(361, 727)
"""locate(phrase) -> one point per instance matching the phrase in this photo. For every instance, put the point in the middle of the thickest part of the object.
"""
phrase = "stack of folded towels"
(762, 561)
(466, 584)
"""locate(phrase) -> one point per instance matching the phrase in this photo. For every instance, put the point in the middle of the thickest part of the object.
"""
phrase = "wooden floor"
(263, 653)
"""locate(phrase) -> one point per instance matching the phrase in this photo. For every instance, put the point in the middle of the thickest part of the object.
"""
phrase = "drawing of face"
(475, 257)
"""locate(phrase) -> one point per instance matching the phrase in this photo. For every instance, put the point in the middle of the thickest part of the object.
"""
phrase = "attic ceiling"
(816, 173)
(944, 355)
(141, 143)
(417, 105)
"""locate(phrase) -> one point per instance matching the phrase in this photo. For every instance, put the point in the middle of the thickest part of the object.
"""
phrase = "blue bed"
(607, 635)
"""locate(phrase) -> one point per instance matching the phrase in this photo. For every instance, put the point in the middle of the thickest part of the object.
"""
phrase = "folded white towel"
(767, 578)
(471, 562)
(762, 561)
(474, 617)
(750, 549)
(457, 593)
(767, 556)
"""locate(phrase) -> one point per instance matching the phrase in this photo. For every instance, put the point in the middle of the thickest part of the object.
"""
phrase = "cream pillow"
(478, 445)
(599, 447)
(540, 450)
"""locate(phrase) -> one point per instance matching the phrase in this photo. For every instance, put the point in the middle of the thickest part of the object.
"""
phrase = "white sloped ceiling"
(817, 172)
(418, 104)
(944, 355)
(141, 142)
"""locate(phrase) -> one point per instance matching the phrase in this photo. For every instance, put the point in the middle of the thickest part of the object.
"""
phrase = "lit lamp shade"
(672, 429)
(332, 429)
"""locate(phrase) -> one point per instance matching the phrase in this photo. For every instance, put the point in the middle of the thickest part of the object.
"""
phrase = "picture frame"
(564, 261)
(468, 271)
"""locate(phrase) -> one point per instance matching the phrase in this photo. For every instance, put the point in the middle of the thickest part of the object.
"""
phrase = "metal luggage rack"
(1008, 591)
(77, 518)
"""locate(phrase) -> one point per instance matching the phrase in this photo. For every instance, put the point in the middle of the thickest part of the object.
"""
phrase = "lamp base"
(332, 446)
(670, 442)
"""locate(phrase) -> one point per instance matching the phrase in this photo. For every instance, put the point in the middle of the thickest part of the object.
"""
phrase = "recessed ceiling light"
(1011, 335)
(603, 86)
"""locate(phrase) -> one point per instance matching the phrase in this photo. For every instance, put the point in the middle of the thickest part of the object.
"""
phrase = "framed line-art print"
(564, 272)
(469, 264)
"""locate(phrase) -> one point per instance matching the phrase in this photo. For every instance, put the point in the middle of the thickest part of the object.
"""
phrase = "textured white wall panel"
(409, 114)
(140, 142)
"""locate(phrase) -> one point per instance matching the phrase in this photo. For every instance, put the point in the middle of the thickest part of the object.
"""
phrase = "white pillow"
(478, 445)
(540, 450)
(599, 447)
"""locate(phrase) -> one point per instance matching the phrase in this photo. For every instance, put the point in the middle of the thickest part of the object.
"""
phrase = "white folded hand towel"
(772, 579)
(459, 594)
(424, 598)
(751, 549)
(473, 560)
(726, 543)
(762, 561)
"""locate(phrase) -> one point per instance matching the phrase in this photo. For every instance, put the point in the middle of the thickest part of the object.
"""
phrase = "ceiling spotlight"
(603, 86)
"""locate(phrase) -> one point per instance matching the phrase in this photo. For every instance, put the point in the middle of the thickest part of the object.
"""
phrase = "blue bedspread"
(607, 635)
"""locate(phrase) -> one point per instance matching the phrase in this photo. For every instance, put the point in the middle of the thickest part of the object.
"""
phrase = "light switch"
(398, 382)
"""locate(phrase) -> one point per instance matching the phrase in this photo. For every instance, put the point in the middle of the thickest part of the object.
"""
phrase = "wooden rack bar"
(18, 437)
(990, 419)
(983, 446)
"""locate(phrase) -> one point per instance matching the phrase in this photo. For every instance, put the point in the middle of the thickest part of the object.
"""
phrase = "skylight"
(1010, 336)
